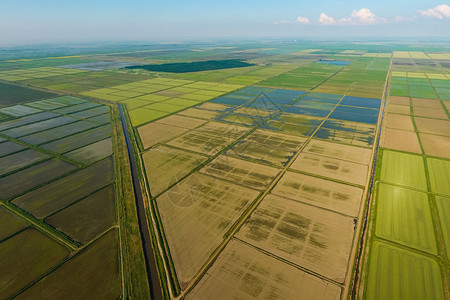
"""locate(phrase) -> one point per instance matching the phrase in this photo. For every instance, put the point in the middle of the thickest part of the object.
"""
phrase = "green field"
(27, 255)
(404, 216)
(443, 205)
(410, 275)
(96, 270)
(12, 94)
(439, 171)
(10, 223)
(61, 193)
(21, 181)
(403, 169)
(88, 217)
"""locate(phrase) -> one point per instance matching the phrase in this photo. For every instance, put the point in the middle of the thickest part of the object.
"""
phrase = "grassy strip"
(161, 259)
(134, 272)
(160, 263)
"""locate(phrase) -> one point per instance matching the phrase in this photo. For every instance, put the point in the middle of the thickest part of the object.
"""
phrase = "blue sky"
(34, 21)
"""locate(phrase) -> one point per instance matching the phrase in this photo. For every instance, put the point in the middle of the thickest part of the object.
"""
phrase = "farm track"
(152, 271)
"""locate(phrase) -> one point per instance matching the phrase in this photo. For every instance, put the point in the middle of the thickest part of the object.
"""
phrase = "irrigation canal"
(152, 271)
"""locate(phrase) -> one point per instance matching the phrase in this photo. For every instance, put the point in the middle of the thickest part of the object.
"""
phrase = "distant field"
(195, 66)
(12, 94)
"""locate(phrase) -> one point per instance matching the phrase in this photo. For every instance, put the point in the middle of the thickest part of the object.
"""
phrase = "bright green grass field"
(135, 103)
(439, 171)
(395, 273)
(169, 108)
(443, 205)
(141, 115)
(404, 216)
(403, 169)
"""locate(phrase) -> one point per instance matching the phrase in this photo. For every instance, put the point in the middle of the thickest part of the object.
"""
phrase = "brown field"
(339, 151)
(399, 109)
(242, 272)
(399, 100)
(447, 104)
(401, 140)
(253, 111)
(200, 113)
(241, 172)
(181, 121)
(294, 124)
(399, 122)
(435, 145)
(195, 214)
(440, 127)
(223, 129)
(331, 168)
(165, 166)
(436, 113)
(169, 93)
(154, 133)
(240, 119)
(213, 106)
(201, 142)
(268, 146)
(313, 238)
(320, 192)
(428, 103)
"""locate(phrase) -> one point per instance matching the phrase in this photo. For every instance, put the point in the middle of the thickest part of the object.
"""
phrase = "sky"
(43, 21)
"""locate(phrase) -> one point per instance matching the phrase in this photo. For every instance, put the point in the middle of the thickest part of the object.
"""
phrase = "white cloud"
(358, 17)
(303, 20)
(326, 20)
(440, 12)
(361, 17)
(364, 16)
